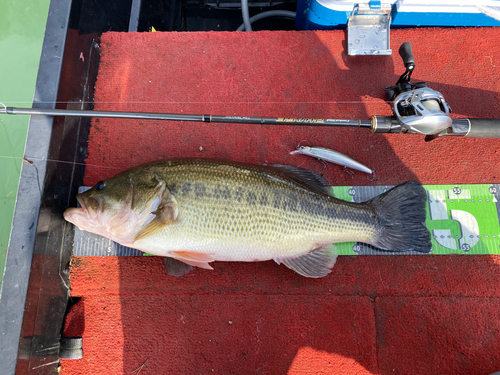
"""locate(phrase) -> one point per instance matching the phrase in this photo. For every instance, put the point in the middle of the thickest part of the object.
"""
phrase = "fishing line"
(28, 159)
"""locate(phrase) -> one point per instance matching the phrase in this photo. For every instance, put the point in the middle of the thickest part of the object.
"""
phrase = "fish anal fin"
(176, 267)
(315, 264)
(193, 258)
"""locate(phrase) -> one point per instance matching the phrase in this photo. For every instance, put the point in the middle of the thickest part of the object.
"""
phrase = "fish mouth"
(92, 206)
(75, 215)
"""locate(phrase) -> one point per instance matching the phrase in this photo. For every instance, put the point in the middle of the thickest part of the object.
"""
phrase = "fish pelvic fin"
(315, 264)
(401, 219)
(192, 258)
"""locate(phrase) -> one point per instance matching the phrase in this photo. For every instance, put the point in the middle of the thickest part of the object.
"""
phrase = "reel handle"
(406, 54)
(403, 83)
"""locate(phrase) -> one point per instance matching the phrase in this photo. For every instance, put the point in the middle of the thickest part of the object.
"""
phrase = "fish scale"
(239, 227)
(198, 210)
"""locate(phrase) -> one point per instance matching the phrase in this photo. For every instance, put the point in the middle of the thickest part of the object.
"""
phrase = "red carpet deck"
(372, 315)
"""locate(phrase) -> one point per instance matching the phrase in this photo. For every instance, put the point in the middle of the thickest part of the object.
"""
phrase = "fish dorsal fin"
(315, 264)
(176, 267)
(305, 177)
(167, 213)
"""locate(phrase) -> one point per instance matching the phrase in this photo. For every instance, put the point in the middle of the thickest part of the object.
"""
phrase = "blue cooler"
(370, 21)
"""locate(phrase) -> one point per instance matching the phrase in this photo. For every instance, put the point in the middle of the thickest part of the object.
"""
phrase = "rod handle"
(484, 128)
(406, 54)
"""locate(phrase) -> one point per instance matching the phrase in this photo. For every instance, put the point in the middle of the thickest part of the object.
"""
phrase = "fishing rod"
(417, 109)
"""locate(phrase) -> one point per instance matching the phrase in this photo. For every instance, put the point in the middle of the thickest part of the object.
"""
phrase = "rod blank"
(482, 128)
(185, 117)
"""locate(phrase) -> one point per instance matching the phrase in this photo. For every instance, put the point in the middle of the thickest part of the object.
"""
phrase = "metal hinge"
(368, 29)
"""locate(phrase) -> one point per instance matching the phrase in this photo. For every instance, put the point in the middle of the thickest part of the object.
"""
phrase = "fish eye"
(100, 185)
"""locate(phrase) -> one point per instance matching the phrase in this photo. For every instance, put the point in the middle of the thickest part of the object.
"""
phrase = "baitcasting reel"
(416, 107)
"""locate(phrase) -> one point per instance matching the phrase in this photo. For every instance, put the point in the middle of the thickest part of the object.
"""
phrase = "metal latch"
(368, 29)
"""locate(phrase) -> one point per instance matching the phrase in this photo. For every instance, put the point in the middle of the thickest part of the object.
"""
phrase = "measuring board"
(463, 219)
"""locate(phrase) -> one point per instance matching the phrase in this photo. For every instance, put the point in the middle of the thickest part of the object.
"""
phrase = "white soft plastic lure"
(332, 156)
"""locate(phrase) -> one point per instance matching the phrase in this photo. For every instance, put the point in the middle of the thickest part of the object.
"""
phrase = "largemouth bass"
(197, 211)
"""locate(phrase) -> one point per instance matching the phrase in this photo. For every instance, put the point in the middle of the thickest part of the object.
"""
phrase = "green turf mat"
(463, 219)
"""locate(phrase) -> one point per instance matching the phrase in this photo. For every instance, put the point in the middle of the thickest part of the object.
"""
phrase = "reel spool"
(422, 111)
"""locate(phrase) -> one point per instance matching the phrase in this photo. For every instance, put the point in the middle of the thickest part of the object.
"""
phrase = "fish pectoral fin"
(317, 263)
(193, 258)
(176, 267)
(167, 213)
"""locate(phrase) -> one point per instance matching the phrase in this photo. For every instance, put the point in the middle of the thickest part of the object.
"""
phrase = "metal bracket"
(368, 29)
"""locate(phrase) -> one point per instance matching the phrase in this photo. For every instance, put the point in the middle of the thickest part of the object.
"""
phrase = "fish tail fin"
(401, 219)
